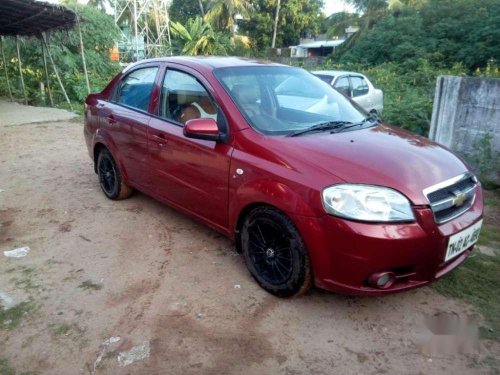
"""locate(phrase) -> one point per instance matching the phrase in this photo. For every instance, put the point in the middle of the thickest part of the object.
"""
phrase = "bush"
(99, 34)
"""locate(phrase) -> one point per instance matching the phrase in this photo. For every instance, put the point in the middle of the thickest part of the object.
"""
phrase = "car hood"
(380, 155)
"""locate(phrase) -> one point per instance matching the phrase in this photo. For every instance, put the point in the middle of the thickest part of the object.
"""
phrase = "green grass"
(493, 200)
(90, 285)
(477, 282)
(11, 318)
(6, 369)
(60, 329)
(490, 236)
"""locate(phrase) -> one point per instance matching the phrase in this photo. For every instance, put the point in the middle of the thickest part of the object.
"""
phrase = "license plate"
(461, 241)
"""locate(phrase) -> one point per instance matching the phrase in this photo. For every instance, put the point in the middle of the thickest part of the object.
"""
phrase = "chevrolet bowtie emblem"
(460, 198)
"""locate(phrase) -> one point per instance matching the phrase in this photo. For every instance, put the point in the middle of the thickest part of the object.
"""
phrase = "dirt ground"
(141, 272)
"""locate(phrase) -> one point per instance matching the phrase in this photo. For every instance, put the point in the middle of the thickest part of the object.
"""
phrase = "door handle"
(160, 139)
(111, 119)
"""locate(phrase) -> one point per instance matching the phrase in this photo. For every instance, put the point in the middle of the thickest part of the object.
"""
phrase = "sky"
(334, 6)
(331, 6)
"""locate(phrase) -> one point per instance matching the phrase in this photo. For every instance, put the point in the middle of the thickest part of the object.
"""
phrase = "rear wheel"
(275, 253)
(110, 177)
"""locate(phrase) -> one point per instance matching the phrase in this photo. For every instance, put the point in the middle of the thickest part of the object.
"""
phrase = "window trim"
(117, 88)
(348, 76)
(180, 124)
(352, 87)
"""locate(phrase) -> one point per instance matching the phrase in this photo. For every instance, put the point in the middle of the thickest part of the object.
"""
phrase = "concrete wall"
(467, 109)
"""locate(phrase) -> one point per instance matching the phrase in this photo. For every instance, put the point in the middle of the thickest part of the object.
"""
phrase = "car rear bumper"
(344, 254)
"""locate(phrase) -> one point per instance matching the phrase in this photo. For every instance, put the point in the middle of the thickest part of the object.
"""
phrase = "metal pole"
(55, 71)
(201, 9)
(47, 74)
(5, 69)
(276, 23)
(168, 30)
(135, 31)
(21, 70)
(83, 53)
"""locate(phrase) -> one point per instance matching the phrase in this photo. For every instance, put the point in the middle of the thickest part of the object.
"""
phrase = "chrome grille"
(453, 197)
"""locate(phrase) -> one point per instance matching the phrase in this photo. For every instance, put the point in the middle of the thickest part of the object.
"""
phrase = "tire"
(275, 253)
(110, 177)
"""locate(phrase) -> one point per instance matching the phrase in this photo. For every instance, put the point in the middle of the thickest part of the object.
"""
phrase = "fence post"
(5, 69)
(46, 73)
(21, 70)
(55, 70)
(82, 52)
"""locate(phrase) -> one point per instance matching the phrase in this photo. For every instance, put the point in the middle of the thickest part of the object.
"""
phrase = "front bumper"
(344, 253)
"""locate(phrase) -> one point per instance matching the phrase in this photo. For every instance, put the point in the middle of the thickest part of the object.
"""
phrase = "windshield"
(283, 100)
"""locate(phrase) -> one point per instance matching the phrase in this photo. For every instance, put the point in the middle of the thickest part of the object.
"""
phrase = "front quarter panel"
(256, 179)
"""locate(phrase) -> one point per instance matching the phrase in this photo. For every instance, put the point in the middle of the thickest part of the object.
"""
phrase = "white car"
(356, 86)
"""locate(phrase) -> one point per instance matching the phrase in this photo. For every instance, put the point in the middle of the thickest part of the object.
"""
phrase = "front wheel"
(110, 177)
(275, 253)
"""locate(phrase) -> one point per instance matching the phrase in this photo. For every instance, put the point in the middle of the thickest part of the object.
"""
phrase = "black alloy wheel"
(110, 177)
(275, 253)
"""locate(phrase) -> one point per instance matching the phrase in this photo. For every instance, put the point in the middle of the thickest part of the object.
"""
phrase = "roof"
(30, 17)
(334, 73)
(213, 62)
(322, 43)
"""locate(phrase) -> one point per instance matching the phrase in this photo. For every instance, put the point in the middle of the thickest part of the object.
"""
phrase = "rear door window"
(342, 84)
(325, 78)
(135, 89)
(359, 86)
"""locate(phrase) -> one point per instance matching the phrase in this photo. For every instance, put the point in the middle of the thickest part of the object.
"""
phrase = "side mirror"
(202, 128)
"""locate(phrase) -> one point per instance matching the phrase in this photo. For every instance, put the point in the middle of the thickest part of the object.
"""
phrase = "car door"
(343, 85)
(127, 118)
(190, 173)
(360, 92)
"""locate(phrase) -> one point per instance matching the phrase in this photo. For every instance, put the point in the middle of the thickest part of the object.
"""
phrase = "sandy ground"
(12, 113)
(140, 271)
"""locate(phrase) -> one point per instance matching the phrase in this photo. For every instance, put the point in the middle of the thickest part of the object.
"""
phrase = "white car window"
(359, 86)
(342, 85)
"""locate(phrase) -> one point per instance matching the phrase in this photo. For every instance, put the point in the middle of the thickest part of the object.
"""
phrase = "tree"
(297, 18)
(336, 23)
(276, 19)
(222, 13)
(445, 32)
(99, 4)
(199, 38)
(99, 35)
(182, 10)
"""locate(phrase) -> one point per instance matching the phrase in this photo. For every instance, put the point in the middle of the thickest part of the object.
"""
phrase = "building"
(315, 48)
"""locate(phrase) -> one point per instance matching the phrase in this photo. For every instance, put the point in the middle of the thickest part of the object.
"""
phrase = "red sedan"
(310, 187)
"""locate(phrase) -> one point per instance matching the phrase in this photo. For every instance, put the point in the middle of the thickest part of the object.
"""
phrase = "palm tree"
(99, 4)
(199, 38)
(276, 18)
(201, 8)
(222, 13)
(372, 10)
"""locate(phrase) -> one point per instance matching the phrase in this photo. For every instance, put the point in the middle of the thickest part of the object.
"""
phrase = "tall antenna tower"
(145, 28)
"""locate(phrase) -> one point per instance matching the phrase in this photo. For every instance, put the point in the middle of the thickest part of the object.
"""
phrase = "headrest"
(246, 94)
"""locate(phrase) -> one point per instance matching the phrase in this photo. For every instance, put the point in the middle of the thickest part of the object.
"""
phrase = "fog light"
(382, 280)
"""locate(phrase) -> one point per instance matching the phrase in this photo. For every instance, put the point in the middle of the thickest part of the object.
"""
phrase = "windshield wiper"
(374, 119)
(329, 125)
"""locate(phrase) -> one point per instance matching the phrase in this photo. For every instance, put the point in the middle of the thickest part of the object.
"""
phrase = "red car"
(310, 187)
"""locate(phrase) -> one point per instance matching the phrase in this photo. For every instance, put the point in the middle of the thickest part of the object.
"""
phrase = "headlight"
(367, 203)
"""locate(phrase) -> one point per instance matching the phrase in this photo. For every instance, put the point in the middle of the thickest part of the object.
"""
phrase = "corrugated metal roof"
(322, 43)
(29, 17)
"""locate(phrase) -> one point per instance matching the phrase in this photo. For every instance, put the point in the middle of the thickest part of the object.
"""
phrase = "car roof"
(335, 72)
(210, 62)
